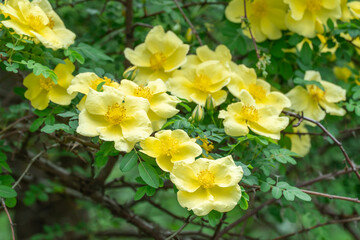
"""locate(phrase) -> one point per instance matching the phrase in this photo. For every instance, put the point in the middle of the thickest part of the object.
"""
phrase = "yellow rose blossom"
(37, 19)
(41, 90)
(115, 117)
(344, 73)
(354, 8)
(261, 119)
(300, 143)
(308, 17)
(207, 185)
(346, 15)
(84, 81)
(196, 83)
(158, 56)
(260, 90)
(169, 147)
(312, 100)
(266, 17)
(162, 105)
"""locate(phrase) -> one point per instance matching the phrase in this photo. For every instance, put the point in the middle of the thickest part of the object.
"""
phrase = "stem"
(252, 36)
(9, 217)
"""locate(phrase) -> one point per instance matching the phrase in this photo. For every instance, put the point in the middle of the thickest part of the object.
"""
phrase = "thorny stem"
(9, 217)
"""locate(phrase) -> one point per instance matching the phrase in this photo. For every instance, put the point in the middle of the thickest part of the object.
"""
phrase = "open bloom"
(308, 17)
(206, 185)
(41, 90)
(300, 141)
(245, 78)
(37, 19)
(263, 120)
(158, 56)
(84, 81)
(265, 16)
(196, 83)
(312, 100)
(162, 105)
(115, 117)
(169, 147)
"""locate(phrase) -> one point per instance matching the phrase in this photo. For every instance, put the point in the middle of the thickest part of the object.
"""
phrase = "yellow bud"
(131, 73)
(198, 114)
(189, 35)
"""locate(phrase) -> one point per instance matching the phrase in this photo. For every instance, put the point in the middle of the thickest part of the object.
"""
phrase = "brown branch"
(105, 172)
(356, 200)
(346, 220)
(9, 217)
(129, 30)
(337, 142)
(15, 123)
(187, 221)
(189, 22)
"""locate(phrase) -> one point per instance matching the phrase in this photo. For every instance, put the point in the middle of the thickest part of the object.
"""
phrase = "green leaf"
(243, 204)
(36, 124)
(56, 127)
(149, 174)
(265, 187)
(74, 55)
(7, 192)
(306, 54)
(93, 53)
(306, 82)
(276, 192)
(301, 195)
(128, 161)
(214, 217)
(140, 192)
(10, 202)
(289, 195)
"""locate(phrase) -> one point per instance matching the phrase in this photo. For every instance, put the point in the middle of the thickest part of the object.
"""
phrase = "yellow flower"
(196, 83)
(308, 17)
(207, 145)
(245, 78)
(115, 117)
(354, 8)
(259, 13)
(41, 90)
(344, 73)
(84, 81)
(159, 56)
(37, 19)
(169, 147)
(263, 120)
(206, 185)
(162, 105)
(312, 100)
(300, 143)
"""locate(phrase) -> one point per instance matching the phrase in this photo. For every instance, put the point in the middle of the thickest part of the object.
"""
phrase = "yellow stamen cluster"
(115, 114)
(206, 144)
(201, 82)
(36, 22)
(96, 82)
(314, 5)
(259, 7)
(46, 83)
(206, 178)
(170, 146)
(249, 113)
(144, 92)
(258, 92)
(316, 93)
(157, 61)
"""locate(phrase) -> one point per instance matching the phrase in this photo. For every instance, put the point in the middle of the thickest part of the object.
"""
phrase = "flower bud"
(198, 114)
(210, 104)
(131, 73)
(189, 35)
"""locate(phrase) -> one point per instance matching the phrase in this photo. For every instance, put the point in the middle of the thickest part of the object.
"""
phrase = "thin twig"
(27, 168)
(356, 200)
(251, 34)
(318, 225)
(189, 22)
(187, 221)
(9, 217)
(337, 142)
(16, 122)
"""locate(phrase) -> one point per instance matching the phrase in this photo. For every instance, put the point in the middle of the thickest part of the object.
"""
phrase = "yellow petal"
(110, 133)
(304, 26)
(333, 93)
(354, 8)
(32, 82)
(199, 201)
(183, 176)
(187, 152)
(176, 59)
(137, 127)
(140, 56)
(235, 11)
(41, 101)
(332, 108)
(226, 172)
(299, 97)
(157, 122)
(81, 83)
(164, 105)
(124, 146)
(88, 123)
(64, 73)
(225, 198)
(59, 95)
(165, 163)
(151, 146)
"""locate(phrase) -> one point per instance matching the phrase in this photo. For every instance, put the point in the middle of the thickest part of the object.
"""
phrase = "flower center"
(36, 22)
(94, 83)
(249, 113)
(46, 83)
(314, 5)
(316, 93)
(115, 114)
(258, 92)
(144, 92)
(157, 61)
(170, 146)
(202, 82)
(259, 7)
(206, 178)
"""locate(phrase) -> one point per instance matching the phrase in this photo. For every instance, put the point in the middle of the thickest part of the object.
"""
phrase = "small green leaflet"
(306, 82)
(7, 192)
(149, 174)
(129, 161)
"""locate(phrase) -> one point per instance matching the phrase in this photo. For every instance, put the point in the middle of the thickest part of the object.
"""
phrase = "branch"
(331, 196)
(105, 172)
(337, 142)
(318, 225)
(187, 221)
(189, 22)
(9, 217)
(129, 30)
(252, 36)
